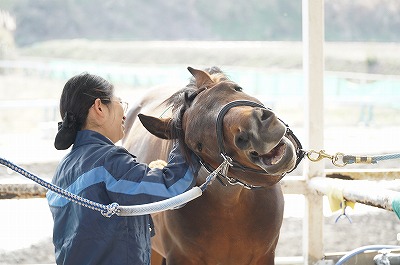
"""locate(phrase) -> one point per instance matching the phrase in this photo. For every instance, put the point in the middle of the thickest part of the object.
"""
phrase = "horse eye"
(199, 147)
(238, 88)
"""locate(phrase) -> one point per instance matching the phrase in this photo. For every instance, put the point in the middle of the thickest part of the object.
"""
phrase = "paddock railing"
(341, 179)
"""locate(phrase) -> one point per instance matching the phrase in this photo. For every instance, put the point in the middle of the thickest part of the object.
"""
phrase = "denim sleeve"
(135, 183)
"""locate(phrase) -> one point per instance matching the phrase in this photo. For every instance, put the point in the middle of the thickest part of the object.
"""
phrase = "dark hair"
(77, 97)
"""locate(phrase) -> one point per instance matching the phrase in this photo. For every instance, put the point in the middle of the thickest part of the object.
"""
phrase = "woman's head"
(88, 102)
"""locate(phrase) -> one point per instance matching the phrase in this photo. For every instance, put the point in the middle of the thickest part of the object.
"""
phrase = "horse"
(237, 219)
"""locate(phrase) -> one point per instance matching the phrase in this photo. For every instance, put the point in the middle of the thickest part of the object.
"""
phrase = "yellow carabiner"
(336, 159)
(320, 155)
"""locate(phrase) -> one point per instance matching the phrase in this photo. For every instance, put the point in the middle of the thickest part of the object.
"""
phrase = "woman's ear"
(98, 107)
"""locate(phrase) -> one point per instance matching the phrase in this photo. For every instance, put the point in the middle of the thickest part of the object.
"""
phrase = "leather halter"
(234, 164)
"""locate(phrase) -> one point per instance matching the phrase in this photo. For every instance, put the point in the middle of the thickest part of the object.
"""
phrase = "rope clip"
(336, 159)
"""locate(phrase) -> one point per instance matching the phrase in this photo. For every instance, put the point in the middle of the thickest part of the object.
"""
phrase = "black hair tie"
(67, 130)
(68, 122)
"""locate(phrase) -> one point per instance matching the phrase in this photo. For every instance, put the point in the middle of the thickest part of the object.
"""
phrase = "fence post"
(313, 68)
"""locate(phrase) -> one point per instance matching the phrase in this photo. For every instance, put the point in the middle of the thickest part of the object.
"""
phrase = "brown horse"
(229, 224)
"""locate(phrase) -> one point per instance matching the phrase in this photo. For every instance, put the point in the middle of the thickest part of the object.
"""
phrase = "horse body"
(228, 224)
(222, 227)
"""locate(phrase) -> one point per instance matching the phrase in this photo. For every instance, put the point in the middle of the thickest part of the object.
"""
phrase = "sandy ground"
(26, 232)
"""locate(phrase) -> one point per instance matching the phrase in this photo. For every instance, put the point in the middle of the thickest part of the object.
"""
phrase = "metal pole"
(313, 67)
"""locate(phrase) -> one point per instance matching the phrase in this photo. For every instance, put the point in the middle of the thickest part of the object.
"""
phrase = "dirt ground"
(379, 227)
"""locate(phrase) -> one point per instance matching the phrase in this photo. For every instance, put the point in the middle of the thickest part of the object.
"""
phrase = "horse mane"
(181, 100)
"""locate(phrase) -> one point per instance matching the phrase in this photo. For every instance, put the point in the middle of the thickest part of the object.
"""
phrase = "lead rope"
(369, 159)
(341, 160)
(105, 210)
(114, 208)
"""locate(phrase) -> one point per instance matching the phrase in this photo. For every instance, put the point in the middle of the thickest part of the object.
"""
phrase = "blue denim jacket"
(100, 171)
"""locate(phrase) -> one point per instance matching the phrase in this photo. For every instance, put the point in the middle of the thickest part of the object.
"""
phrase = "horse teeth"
(279, 154)
(275, 160)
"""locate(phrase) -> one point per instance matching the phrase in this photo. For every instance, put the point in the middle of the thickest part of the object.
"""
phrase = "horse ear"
(203, 79)
(157, 126)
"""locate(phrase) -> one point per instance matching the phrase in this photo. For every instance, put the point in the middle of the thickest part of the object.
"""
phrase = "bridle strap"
(231, 181)
(300, 153)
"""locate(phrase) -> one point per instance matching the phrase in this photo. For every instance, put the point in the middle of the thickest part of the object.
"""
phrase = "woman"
(97, 169)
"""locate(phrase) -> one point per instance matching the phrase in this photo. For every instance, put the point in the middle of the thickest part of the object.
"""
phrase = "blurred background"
(141, 44)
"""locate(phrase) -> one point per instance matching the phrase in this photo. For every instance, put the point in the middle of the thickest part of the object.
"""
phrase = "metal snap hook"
(336, 159)
(227, 159)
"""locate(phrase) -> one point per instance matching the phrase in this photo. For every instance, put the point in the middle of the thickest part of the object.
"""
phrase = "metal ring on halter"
(227, 159)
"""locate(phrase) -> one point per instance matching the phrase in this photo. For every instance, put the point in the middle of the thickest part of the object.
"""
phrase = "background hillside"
(223, 20)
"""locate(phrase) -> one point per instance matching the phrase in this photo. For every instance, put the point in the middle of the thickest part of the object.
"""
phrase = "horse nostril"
(254, 154)
(242, 140)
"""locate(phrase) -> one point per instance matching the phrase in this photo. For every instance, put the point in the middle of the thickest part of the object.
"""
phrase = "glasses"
(123, 104)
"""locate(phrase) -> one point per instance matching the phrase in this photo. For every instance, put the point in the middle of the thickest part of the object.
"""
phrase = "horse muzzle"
(281, 159)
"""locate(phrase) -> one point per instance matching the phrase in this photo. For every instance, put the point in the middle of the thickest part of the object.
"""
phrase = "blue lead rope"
(114, 208)
(341, 160)
(106, 210)
(349, 159)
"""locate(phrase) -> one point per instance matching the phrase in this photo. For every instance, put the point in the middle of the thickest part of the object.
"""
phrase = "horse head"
(212, 115)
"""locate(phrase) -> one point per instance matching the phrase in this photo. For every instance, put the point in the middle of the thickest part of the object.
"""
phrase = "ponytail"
(67, 130)
(77, 97)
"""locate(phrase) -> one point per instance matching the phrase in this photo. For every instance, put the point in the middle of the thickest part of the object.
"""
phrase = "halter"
(234, 164)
